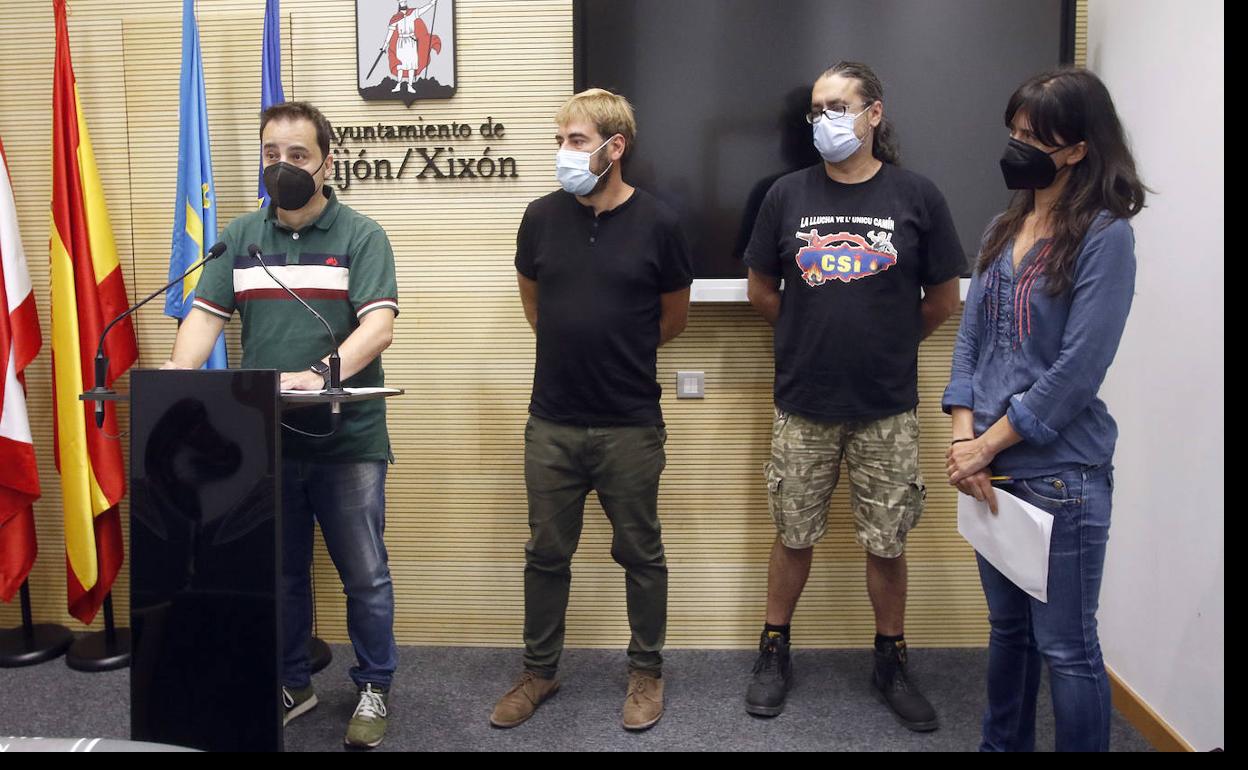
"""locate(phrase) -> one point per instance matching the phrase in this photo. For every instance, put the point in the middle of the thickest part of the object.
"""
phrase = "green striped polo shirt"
(342, 265)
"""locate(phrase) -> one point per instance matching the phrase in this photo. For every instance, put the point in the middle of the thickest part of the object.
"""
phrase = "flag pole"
(106, 650)
(29, 643)
(319, 653)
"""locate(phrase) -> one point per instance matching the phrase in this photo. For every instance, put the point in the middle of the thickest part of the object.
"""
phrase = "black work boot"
(773, 675)
(902, 696)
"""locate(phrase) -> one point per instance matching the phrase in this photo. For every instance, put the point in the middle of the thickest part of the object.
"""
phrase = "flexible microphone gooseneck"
(101, 360)
(335, 362)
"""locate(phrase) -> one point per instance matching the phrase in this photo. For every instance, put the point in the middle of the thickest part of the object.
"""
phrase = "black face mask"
(1026, 167)
(289, 186)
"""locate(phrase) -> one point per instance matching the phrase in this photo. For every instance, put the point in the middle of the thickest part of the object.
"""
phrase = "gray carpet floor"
(442, 699)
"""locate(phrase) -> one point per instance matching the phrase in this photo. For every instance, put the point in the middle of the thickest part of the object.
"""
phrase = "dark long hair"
(884, 148)
(1065, 107)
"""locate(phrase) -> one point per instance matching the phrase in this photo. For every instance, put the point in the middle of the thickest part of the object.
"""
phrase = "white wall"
(1162, 606)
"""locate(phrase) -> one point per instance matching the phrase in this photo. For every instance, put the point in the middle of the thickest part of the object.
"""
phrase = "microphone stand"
(334, 387)
(100, 392)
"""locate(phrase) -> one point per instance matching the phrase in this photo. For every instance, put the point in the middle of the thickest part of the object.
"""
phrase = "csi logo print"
(844, 256)
(405, 49)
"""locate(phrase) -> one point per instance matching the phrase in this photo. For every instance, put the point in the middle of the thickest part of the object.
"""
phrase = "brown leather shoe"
(522, 699)
(643, 706)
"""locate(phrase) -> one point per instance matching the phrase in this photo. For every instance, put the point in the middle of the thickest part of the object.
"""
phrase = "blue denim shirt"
(1040, 359)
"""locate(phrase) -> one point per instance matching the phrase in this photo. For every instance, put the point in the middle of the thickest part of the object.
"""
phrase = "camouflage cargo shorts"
(886, 487)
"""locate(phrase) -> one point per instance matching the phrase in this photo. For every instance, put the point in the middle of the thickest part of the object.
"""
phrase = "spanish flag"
(87, 292)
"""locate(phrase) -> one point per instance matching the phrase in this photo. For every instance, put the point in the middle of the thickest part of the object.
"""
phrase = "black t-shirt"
(854, 258)
(599, 281)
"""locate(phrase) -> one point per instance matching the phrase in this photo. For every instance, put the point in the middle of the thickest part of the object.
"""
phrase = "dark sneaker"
(297, 702)
(643, 705)
(893, 686)
(368, 724)
(773, 676)
(519, 703)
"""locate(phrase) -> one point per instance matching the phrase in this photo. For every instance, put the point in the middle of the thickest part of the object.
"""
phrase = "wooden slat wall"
(456, 511)
(1081, 33)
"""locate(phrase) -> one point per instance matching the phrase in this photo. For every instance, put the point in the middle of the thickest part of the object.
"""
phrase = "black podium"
(205, 559)
(205, 555)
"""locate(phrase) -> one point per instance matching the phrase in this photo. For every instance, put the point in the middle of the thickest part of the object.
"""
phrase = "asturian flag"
(194, 213)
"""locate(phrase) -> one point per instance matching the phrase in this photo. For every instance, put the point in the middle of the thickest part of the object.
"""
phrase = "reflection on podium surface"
(205, 561)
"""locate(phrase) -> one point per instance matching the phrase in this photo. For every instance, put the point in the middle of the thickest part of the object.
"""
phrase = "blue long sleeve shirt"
(1040, 359)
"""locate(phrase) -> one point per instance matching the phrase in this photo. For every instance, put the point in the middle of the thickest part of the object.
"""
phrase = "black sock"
(886, 643)
(782, 630)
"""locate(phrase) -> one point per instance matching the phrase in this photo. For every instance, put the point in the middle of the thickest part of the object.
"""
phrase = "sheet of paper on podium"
(350, 391)
(1015, 540)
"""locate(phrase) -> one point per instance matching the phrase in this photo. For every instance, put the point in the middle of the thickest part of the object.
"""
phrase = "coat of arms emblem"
(405, 49)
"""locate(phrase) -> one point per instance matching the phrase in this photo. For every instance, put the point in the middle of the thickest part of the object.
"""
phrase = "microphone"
(101, 360)
(335, 362)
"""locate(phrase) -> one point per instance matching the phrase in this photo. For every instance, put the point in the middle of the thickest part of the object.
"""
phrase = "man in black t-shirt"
(604, 277)
(871, 263)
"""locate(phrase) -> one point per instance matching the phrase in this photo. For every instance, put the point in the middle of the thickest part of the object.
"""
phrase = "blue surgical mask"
(572, 170)
(835, 138)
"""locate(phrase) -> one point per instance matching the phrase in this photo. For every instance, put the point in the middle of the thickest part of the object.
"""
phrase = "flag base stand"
(106, 650)
(30, 644)
(319, 654)
(96, 652)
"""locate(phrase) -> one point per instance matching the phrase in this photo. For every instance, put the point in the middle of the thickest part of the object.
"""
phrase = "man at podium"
(340, 262)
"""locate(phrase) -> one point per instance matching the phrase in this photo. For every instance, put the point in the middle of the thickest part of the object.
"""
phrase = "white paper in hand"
(1015, 540)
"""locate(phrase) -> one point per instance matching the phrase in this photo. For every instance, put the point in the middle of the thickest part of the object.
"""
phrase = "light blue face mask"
(835, 138)
(572, 170)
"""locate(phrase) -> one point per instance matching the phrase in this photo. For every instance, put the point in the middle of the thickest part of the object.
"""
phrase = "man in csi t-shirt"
(871, 265)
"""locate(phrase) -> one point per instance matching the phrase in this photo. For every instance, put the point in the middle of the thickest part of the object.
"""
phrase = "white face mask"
(572, 170)
(835, 139)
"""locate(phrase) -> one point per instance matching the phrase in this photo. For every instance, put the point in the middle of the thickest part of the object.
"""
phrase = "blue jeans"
(1061, 632)
(349, 501)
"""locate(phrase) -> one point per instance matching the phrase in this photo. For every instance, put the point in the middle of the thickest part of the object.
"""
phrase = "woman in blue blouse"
(1046, 309)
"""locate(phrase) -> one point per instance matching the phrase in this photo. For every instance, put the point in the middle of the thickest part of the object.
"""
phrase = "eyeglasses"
(832, 113)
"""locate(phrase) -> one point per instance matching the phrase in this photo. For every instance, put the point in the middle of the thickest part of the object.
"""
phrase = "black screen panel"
(719, 88)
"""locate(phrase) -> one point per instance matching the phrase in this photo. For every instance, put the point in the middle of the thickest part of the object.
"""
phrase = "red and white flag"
(20, 341)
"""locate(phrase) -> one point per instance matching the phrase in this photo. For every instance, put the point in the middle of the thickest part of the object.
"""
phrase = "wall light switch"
(690, 385)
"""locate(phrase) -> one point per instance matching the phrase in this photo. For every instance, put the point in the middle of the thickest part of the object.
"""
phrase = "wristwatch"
(321, 368)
